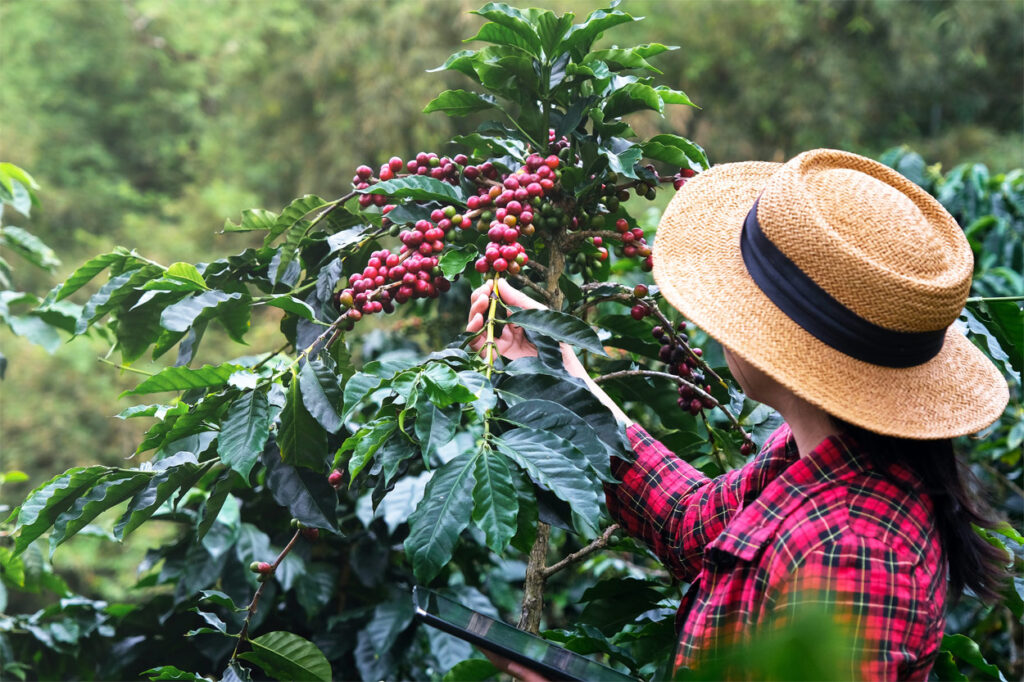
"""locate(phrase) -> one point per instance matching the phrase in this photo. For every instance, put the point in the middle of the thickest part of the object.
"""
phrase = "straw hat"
(870, 270)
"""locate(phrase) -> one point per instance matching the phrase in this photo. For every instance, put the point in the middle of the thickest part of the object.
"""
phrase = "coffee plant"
(315, 481)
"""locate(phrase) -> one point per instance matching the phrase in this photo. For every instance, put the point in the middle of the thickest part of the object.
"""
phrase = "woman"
(834, 283)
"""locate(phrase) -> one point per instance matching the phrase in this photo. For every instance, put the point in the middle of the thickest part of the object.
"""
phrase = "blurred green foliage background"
(148, 122)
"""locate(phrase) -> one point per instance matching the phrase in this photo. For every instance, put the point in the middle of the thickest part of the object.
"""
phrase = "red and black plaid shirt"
(783, 532)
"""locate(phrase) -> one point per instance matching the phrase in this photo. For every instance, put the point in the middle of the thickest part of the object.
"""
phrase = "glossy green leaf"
(618, 59)
(112, 490)
(670, 96)
(460, 103)
(472, 670)
(417, 188)
(441, 516)
(179, 472)
(288, 658)
(29, 247)
(360, 385)
(294, 306)
(587, 450)
(321, 394)
(252, 219)
(293, 215)
(454, 260)
(677, 151)
(180, 316)
(186, 272)
(317, 588)
(390, 619)
(515, 21)
(435, 427)
(302, 440)
(560, 327)
(443, 386)
(582, 35)
(92, 267)
(966, 649)
(35, 330)
(113, 292)
(542, 455)
(244, 432)
(44, 504)
(633, 97)
(495, 504)
(366, 442)
(169, 672)
(306, 494)
(184, 378)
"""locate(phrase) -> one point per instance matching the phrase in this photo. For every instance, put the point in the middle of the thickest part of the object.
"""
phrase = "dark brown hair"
(973, 562)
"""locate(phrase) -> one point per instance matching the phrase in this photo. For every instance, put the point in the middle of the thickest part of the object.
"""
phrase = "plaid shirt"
(783, 532)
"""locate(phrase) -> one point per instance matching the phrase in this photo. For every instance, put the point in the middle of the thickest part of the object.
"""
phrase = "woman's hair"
(973, 562)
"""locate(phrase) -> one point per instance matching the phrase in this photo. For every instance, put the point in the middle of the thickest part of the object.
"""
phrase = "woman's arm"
(664, 501)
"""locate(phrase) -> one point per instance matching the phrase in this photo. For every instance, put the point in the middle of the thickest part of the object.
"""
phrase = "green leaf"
(185, 272)
(169, 672)
(244, 432)
(29, 247)
(252, 219)
(114, 489)
(390, 619)
(184, 378)
(966, 649)
(630, 58)
(495, 504)
(543, 455)
(471, 670)
(44, 504)
(366, 442)
(417, 188)
(302, 440)
(677, 151)
(179, 472)
(513, 20)
(560, 327)
(587, 449)
(623, 162)
(289, 658)
(502, 35)
(460, 102)
(92, 267)
(180, 316)
(321, 394)
(454, 260)
(356, 389)
(306, 494)
(435, 427)
(443, 386)
(113, 292)
(633, 97)
(294, 306)
(36, 331)
(293, 215)
(670, 96)
(440, 517)
(582, 36)
(551, 29)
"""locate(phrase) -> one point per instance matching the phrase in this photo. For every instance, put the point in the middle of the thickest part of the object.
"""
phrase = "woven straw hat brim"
(699, 269)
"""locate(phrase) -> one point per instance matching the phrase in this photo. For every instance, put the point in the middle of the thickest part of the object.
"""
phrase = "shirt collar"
(834, 459)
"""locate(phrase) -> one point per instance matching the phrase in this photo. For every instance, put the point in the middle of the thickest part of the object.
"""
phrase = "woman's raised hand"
(512, 342)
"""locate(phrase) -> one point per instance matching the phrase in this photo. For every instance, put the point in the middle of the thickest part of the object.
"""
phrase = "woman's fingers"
(476, 323)
(509, 294)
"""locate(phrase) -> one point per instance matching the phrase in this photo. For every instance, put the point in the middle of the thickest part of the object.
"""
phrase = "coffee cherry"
(639, 311)
(746, 448)
(658, 332)
(335, 479)
(311, 534)
(696, 406)
(640, 291)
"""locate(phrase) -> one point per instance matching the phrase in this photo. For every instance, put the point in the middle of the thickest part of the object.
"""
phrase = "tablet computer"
(547, 658)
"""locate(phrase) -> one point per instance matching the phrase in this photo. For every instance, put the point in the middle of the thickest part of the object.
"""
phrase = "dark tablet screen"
(538, 654)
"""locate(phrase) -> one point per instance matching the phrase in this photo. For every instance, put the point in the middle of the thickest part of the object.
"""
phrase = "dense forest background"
(147, 123)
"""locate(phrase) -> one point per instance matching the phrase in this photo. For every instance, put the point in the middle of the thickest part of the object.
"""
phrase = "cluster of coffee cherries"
(680, 178)
(514, 201)
(391, 278)
(425, 163)
(683, 362)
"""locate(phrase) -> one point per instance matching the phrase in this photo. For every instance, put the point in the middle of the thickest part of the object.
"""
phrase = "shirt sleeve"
(677, 510)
